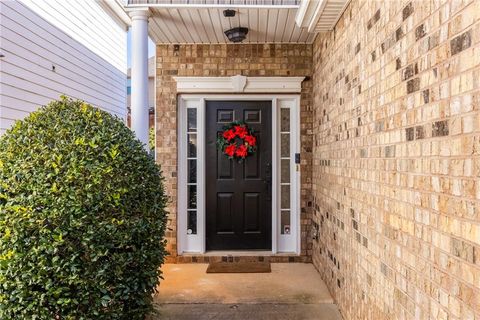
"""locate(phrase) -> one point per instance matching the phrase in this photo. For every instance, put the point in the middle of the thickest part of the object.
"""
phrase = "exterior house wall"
(227, 60)
(50, 48)
(396, 159)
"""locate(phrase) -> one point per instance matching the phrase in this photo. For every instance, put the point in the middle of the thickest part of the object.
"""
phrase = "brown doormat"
(239, 267)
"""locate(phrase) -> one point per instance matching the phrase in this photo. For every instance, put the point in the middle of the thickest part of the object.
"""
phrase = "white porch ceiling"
(268, 21)
(207, 25)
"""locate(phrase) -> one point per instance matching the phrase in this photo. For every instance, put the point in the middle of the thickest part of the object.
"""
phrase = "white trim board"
(281, 243)
(320, 15)
(239, 84)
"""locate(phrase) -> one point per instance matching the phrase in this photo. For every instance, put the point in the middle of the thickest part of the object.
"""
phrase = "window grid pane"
(285, 222)
(285, 144)
(285, 171)
(192, 145)
(192, 119)
(285, 120)
(285, 197)
(192, 171)
(192, 222)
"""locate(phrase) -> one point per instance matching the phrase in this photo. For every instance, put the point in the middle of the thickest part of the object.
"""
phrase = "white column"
(139, 76)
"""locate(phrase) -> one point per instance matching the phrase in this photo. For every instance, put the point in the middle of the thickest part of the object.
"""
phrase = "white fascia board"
(119, 9)
(302, 11)
(320, 5)
(309, 13)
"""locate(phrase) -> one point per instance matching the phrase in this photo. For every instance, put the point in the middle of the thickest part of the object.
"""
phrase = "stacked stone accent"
(229, 60)
(396, 159)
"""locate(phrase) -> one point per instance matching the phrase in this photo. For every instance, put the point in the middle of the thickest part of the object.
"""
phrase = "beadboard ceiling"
(207, 25)
(268, 21)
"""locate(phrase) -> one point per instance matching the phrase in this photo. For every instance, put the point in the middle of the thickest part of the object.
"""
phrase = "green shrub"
(82, 217)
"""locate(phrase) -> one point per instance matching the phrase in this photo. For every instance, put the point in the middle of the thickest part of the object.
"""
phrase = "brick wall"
(228, 60)
(397, 159)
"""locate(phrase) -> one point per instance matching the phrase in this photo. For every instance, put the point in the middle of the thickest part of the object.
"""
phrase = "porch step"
(241, 257)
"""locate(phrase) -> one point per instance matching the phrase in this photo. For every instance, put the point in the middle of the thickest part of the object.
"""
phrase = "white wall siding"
(82, 40)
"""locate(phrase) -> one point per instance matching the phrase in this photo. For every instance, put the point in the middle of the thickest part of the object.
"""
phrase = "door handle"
(268, 180)
(268, 173)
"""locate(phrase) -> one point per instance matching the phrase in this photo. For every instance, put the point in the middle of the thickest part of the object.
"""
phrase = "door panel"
(238, 200)
(224, 167)
(225, 214)
(251, 212)
(225, 116)
(252, 167)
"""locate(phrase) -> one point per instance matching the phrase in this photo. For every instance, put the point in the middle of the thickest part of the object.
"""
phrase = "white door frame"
(281, 243)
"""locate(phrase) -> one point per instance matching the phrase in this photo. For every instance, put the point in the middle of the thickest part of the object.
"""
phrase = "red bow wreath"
(237, 132)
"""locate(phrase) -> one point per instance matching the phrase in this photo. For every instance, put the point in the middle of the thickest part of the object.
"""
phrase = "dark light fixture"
(229, 13)
(237, 34)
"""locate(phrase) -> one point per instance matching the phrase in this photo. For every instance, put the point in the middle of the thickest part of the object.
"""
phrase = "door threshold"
(240, 253)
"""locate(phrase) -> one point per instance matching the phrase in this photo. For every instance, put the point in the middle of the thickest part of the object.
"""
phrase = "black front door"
(238, 206)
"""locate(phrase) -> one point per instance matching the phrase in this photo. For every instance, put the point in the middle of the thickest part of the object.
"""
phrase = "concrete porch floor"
(290, 291)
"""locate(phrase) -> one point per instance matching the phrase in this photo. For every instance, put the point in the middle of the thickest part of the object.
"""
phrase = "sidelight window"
(192, 157)
(285, 164)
